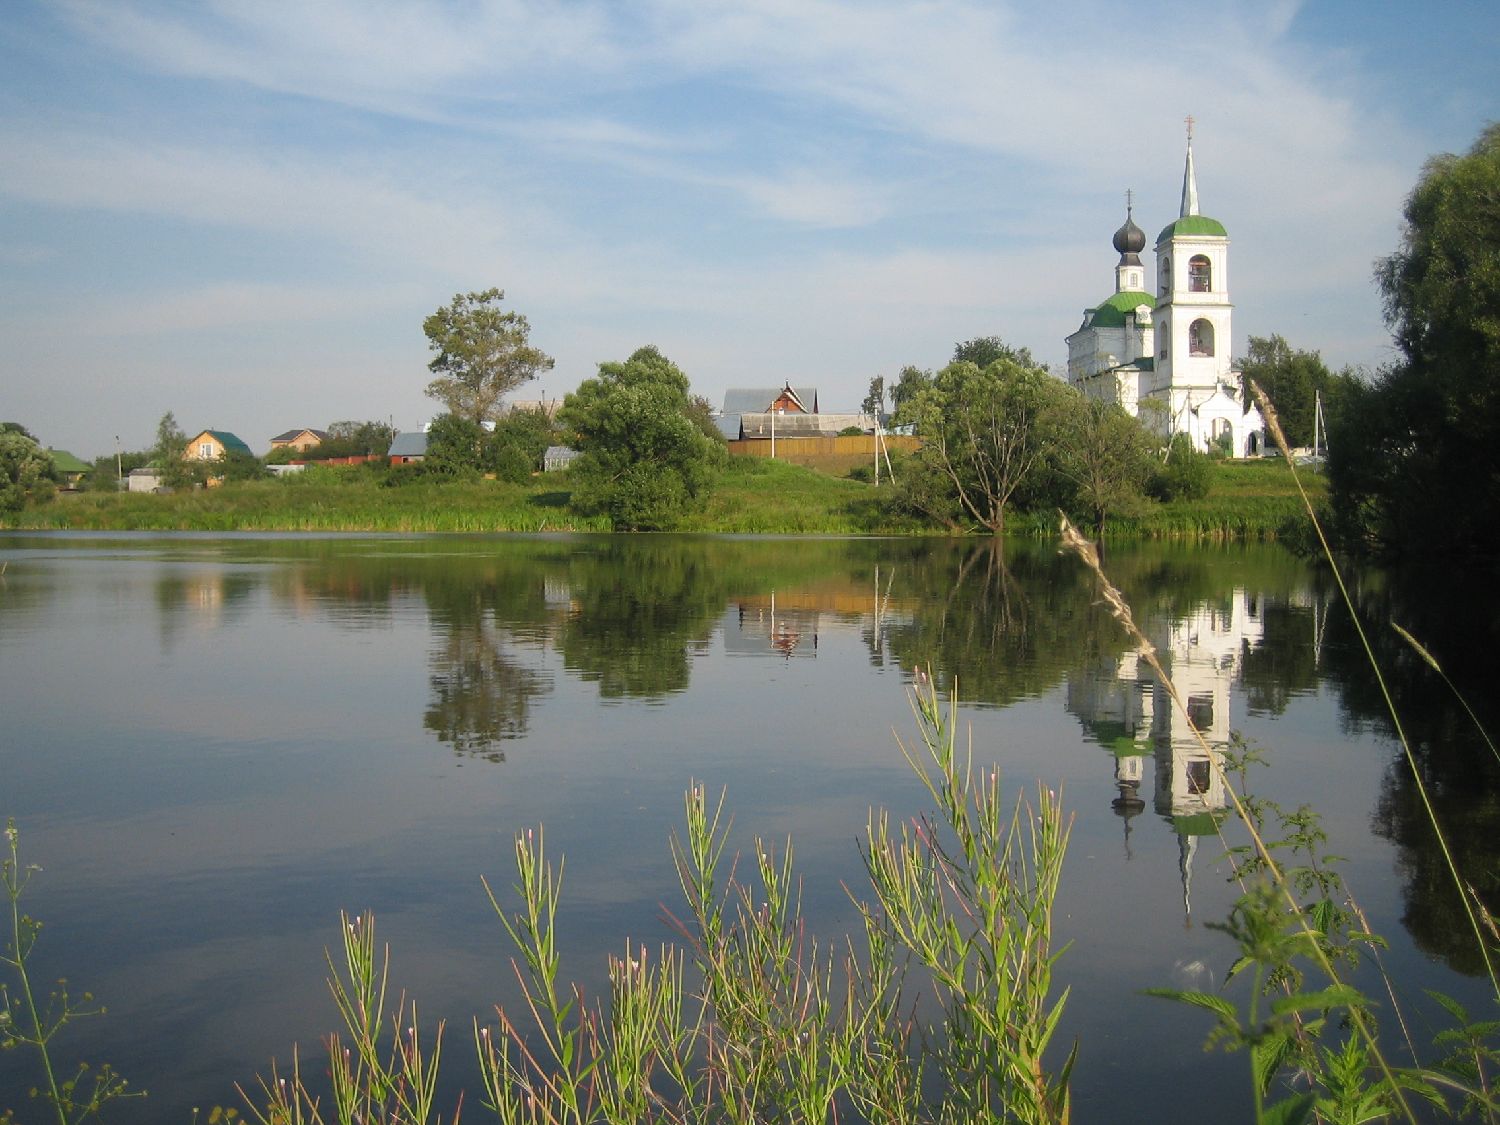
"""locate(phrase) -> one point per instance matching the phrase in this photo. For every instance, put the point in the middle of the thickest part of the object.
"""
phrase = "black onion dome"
(1130, 240)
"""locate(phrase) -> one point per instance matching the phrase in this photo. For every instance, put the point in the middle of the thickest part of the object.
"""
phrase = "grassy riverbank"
(1250, 500)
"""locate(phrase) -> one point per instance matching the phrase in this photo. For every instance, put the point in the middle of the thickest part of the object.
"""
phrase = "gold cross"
(1189, 120)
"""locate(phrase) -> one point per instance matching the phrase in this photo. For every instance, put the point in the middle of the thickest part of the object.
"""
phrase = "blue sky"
(241, 210)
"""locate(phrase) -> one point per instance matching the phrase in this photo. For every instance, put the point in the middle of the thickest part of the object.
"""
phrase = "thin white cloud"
(755, 184)
(395, 56)
(236, 305)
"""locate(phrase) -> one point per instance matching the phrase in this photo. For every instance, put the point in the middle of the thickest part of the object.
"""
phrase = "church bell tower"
(1193, 342)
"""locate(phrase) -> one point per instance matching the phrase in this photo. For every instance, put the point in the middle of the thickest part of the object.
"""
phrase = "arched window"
(1164, 276)
(1200, 274)
(1200, 338)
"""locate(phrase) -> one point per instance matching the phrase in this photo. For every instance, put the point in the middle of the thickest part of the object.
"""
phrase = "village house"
(213, 445)
(300, 440)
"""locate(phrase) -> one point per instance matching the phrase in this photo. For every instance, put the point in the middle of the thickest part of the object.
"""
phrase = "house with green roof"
(69, 468)
(213, 445)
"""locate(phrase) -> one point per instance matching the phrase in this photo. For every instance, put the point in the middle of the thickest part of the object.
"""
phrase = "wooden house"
(300, 440)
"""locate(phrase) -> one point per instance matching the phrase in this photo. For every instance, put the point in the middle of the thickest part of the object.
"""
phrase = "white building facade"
(1167, 358)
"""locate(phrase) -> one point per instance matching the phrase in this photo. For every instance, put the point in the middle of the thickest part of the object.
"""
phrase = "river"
(213, 744)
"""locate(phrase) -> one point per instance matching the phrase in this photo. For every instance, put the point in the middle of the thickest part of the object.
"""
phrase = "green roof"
(67, 463)
(229, 441)
(1111, 314)
(1196, 824)
(1192, 224)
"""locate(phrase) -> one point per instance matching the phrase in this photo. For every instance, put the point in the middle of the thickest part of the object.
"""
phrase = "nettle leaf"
(1292, 1111)
(1216, 1004)
(1337, 996)
(1268, 1056)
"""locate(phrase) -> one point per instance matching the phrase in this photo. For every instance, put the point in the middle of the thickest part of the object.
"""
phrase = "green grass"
(324, 504)
(1248, 500)
(758, 496)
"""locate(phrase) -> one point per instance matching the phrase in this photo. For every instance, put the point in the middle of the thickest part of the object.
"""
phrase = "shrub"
(1185, 475)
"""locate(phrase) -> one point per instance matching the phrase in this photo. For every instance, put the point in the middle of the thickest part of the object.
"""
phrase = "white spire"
(1189, 179)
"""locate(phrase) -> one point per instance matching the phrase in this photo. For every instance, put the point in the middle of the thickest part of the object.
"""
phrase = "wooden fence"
(800, 450)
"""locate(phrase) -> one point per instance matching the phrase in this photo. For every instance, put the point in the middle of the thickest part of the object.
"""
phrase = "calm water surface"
(213, 745)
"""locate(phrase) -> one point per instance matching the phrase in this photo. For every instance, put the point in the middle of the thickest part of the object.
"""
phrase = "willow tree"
(483, 353)
(1414, 460)
(643, 459)
(987, 432)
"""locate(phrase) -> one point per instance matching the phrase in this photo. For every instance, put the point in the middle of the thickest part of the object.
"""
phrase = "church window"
(1200, 338)
(1200, 274)
(1166, 275)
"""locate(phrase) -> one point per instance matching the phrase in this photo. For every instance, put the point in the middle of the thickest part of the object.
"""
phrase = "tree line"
(1413, 450)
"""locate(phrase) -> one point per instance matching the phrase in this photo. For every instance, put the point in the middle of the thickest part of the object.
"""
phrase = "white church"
(1167, 359)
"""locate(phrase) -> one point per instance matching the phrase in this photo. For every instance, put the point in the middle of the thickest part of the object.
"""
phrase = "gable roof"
(409, 443)
(67, 463)
(229, 441)
(758, 400)
(321, 435)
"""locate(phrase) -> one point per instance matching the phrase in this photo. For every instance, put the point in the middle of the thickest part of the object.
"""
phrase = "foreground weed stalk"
(370, 1081)
(969, 895)
(1319, 1040)
(24, 1022)
(1484, 945)
(753, 1019)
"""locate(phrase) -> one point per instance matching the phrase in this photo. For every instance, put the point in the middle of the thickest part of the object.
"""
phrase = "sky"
(241, 211)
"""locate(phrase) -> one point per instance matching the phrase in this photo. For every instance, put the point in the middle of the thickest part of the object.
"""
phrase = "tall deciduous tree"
(987, 432)
(1415, 459)
(1293, 379)
(455, 446)
(1106, 456)
(985, 350)
(909, 383)
(483, 353)
(874, 402)
(26, 469)
(642, 459)
(167, 454)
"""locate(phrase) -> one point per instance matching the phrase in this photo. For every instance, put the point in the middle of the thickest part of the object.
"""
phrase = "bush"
(453, 447)
(516, 447)
(510, 462)
(1185, 475)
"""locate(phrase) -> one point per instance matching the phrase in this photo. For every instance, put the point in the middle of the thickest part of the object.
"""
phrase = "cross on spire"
(1189, 179)
(1129, 200)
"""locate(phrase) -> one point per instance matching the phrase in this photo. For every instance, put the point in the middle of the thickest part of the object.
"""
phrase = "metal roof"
(409, 443)
(757, 400)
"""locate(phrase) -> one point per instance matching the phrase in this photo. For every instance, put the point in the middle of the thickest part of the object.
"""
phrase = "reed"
(748, 1017)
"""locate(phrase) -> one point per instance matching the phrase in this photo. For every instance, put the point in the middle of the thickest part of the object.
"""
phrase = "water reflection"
(1003, 624)
(1454, 615)
(321, 687)
(766, 629)
(201, 598)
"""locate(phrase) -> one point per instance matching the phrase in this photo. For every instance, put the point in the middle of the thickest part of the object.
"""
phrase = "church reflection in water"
(1128, 710)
